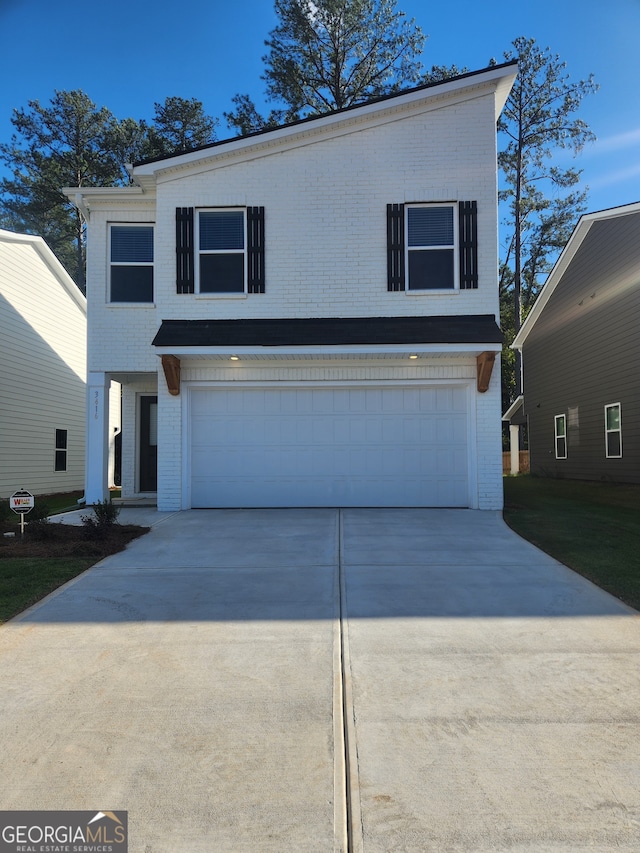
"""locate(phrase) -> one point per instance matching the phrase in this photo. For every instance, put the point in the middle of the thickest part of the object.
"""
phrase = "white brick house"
(307, 316)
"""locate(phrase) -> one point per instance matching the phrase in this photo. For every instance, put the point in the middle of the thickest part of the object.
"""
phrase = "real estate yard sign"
(21, 502)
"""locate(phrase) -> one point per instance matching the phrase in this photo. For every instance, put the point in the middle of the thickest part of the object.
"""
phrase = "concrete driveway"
(324, 680)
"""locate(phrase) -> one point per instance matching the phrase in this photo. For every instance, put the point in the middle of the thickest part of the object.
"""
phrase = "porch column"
(514, 447)
(97, 440)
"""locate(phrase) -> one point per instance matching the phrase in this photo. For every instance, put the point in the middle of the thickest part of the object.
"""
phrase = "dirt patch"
(56, 540)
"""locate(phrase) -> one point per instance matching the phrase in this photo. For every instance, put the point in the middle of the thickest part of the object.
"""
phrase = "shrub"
(105, 515)
(38, 527)
(40, 513)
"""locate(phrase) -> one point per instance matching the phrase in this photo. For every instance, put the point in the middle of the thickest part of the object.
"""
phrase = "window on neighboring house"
(560, 422)
(221, 250)
(432, 247)
(61, 450)
(613, 431)
(131, 263)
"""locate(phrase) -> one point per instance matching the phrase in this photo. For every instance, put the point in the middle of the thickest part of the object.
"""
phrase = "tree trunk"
(517, 274)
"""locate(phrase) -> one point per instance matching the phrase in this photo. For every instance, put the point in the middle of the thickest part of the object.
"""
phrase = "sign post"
(21, 502)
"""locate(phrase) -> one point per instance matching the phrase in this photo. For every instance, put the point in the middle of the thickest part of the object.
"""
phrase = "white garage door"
(270, 447)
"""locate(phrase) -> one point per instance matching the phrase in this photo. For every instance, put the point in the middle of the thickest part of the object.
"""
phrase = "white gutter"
(335, 349)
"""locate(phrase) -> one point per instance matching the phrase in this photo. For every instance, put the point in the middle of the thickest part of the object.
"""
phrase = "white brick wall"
(325, 223)
(169, 449)
(119, 336)
(325, 200)
(325, 217)
(489, 443)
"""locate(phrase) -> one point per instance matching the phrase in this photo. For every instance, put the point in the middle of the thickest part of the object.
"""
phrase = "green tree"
(63, 144)
(246, 119)
(542, 200)
(330, 54)
(73, 143)
(179, 125)
(128, 141)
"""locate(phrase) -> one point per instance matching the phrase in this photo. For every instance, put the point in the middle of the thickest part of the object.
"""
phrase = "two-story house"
(307, 316)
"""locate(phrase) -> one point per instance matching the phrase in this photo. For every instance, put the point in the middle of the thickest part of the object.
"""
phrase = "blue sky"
(128, 54)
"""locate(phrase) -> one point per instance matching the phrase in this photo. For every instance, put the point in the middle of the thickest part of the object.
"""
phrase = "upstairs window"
(613, 431)
(221, 250)
(431, 247)
(560, 430)
(131, 263)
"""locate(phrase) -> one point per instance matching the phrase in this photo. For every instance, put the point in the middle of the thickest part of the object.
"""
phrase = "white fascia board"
(102, 192)
(513, 408)
(48, 257)
(574, 242)
(498, 80)
(84, 197)
(318, 350)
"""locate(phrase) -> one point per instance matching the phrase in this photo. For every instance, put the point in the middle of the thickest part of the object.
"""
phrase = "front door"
(148, 444)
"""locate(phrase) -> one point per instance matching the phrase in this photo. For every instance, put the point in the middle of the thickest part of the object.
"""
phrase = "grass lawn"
(51, 554)
(25, 580)
(59, 503)
(594, 528)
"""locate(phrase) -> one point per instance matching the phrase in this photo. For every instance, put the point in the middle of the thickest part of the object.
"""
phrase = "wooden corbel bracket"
(485, 362)
(171, 367)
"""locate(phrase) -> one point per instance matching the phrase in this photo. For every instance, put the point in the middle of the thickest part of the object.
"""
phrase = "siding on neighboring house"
(583, 353)
(43, 376)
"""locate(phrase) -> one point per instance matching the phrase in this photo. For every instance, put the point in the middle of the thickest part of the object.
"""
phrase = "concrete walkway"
(204, 680)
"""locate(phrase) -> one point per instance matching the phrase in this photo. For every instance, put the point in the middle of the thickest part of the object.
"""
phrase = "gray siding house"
(580, 349)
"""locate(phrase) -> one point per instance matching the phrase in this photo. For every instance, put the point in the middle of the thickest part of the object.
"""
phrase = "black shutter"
(395, 247)
(255, 249)
(468, 240)
(185, 274)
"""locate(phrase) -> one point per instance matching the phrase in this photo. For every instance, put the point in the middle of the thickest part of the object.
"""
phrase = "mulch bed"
(55, 540)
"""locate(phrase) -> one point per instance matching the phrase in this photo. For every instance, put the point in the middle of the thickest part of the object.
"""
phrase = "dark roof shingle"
(329, 331)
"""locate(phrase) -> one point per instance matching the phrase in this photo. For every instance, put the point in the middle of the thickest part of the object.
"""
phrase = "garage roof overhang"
(475, 335)
(326, 334)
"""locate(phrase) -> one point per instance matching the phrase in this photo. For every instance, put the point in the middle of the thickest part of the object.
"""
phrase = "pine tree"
(543, 201)
(329, 54)
(64, 144)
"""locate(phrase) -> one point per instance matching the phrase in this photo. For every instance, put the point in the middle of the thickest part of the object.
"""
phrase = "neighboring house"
(580, 349)
(43, 335)
(307, 316)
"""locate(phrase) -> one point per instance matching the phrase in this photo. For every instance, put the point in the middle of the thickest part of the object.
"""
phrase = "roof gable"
(587, 257)
(10, 238)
